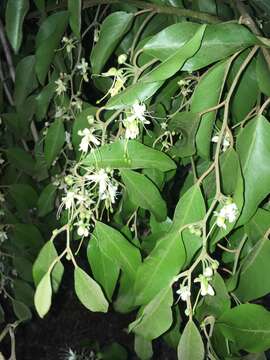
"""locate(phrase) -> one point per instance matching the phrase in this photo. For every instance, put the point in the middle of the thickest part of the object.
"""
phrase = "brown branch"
(7, 52)
(247, 20)
(170, 10)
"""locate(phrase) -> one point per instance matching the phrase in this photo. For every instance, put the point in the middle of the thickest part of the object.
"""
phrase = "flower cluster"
(136, 117)
(225, 142)
(229, 212)
(86, 196)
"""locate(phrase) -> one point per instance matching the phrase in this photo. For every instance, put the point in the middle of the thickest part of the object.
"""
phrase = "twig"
(170, 10)
(6, 89)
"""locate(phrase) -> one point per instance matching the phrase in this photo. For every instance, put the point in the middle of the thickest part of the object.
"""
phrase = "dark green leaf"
(21, 310)
(143, 193)
(263, 75)
(21, 160)
(15, 14)
(113, 28)
(54, 141)
(46, 200)
(74, 8)
(143, 348)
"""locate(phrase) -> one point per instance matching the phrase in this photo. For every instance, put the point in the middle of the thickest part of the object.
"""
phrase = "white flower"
(101, 178)
(225, 143)
(3, 236)
(83, 67)
(184, 293)
(82, 230)
(112, 192)
(68, 140)
(228, 212)
(2, 198)
(208, 272)
(61, 87)
(69, 199)
(206, 288)
(96, 34)
(68, 43)
(88, 139)
(1, 160)
(138, 111)
(132, 128)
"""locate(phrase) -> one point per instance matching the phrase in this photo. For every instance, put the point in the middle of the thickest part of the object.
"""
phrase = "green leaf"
(143, 348)
(204, 99)
(27, 237)
(74, 8)
(25, 79)
(141, 91)
(156, 317)
(174, 62)
(263, 75)
(185, 124)
(89, 292)
(54, 141)
(219, 41)
(253, 269)
(15, 14)
(23, 267)
(114, 352)
(128, 155)
(258, 225)
(100, 263)
(21, 160)
(47, 41)
(113, 28)
(172, 336)
(43, 262)
(23, 292)
(40, 4)
(44, 98)
(159, 268)
(248, 326)
(143, 193)
(46, 200)
(246, 93)
(24, 195)
(43, 295)
(21, 310)
(113, 244)
(190, 346)
(253, 148)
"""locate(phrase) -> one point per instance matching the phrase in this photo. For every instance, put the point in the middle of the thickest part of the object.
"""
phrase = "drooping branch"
(170, 10)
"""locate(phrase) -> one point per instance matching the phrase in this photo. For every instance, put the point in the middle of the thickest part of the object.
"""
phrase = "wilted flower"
(61, 86)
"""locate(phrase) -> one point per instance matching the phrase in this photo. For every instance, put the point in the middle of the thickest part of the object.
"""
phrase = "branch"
(6, 50)
(251, 24)
(170, 10)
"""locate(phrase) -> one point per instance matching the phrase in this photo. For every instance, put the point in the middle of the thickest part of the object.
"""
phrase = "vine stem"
(170, 10)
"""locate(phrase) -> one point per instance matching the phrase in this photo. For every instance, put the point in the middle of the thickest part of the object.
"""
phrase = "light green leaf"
(54, 141)
(143, 193)
(128, 155)
(113, 28)
(113, 244)
(89, 292)
(174, 62)
(25, 79)
(74, 8)
(47, 41)
(254, 268)
(43, 295)
(156, 317)
(46, 200)
(100, 263)
(263, 75)
(143, 348)
(248, 326)
(219, 41)
(190, 346)
(203, 99)
(15, 14)
(43, 262)
(258, 225)
(159, 268)
(253, 147)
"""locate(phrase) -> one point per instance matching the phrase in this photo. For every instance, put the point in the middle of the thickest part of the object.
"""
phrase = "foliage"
(136, 135)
